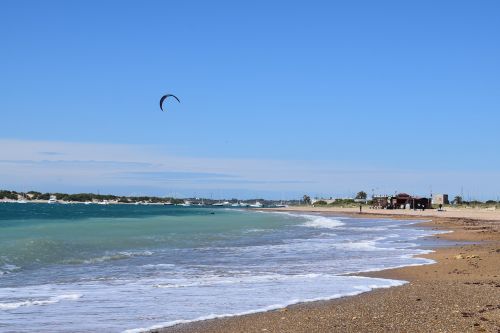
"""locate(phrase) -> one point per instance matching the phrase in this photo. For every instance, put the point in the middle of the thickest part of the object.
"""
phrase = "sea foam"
(115, 256)
(321, 222)
(51, 300)
(8, 268)
(358, 289)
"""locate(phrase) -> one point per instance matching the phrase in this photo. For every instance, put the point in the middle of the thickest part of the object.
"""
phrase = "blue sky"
(278, 99)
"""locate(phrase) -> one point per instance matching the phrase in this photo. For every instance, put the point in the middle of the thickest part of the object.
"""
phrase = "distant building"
(406, 201)
(381, 201)
(400, 201)
(440, 199)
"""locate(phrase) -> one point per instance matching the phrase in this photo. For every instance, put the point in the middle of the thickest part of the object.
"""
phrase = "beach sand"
(460, 293)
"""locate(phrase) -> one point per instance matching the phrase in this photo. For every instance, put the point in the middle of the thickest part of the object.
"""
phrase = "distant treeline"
(338, 202)
(8, 195)
(89, 197)
(82, 197)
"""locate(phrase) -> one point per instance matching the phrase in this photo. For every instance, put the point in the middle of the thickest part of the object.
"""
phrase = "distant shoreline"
(62, 202)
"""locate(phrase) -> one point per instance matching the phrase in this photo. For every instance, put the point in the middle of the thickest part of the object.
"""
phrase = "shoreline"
(460, 292)
(480, 214)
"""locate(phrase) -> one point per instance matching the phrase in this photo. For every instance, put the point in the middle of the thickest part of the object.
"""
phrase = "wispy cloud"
(174, 175)
(59, 162)
(112, 166)
(51, 153)
(155, 170)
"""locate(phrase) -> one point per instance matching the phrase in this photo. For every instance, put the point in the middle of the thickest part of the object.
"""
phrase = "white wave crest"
(321, 222)
(116, 256)
(51, 300)
(155, 266)
(8, 268)
(216, 280)
(367, 245)
(255, 230)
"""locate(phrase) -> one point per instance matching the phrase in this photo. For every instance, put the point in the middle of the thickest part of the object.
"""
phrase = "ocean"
(126, 268)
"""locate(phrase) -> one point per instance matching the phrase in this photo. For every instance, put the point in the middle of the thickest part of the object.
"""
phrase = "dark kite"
(163, 98)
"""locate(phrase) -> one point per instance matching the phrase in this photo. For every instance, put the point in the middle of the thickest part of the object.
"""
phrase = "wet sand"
(460, 293)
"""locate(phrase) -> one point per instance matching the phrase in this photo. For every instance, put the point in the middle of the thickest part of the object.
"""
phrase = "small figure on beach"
(360, 209)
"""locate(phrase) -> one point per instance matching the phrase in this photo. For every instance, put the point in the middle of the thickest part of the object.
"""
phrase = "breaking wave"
(51, 300)
(116, 256)
(321, 222)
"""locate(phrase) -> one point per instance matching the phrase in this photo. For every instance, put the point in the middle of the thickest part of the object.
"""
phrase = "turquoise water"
(114, 268)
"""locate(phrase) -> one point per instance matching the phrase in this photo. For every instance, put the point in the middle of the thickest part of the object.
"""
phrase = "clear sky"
(278, 98)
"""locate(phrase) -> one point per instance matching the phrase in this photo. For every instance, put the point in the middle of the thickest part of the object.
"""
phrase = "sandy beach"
(460, 293)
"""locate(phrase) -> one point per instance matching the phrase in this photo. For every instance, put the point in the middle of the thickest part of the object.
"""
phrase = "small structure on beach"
(381, 201)
(400, 201)
(406, 201)
(440, 199)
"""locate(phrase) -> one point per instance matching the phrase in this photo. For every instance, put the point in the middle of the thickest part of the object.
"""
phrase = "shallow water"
(113, 268)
